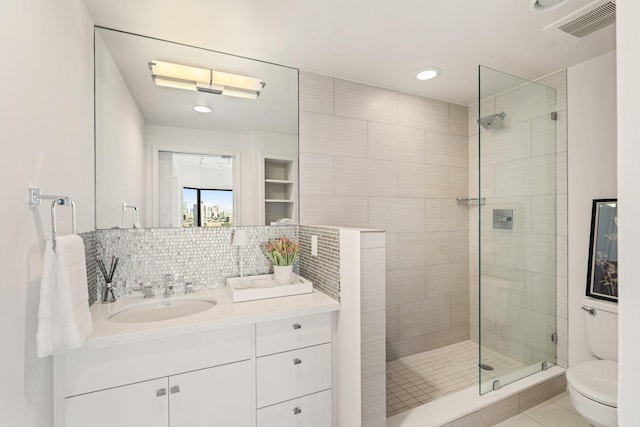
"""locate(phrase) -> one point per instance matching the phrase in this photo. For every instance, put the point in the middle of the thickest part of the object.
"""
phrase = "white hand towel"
(64, 320)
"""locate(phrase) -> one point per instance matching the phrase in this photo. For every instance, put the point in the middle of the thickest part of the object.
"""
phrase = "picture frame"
(602, 276)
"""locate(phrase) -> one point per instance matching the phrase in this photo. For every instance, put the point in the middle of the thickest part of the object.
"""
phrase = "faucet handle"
(189, 288)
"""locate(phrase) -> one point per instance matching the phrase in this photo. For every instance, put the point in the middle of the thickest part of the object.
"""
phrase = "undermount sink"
(165, 309)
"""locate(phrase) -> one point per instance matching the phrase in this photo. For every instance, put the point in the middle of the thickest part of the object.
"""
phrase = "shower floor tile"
(420, 378)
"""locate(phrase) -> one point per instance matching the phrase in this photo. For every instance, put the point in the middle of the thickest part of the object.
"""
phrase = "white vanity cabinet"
(192, 399)
(141, 404)
(199, 379)
(273, 369)
(219, 396)
(293, 371)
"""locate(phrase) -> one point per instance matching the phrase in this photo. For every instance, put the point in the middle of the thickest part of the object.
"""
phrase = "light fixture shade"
(240, 237)
(179, 72)
(235, 81)
(175, 84)
(179, 76)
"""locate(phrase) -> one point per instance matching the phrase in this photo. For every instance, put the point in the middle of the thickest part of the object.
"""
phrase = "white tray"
(260, 287)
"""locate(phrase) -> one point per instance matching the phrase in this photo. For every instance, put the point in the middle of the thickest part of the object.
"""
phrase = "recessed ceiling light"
(427, 73)
(202, 109)
(546, 5)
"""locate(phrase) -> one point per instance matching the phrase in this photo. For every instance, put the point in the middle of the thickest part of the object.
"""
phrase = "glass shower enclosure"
(515, 226)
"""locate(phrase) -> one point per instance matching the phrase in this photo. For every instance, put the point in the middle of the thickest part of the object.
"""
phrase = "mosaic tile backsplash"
(89, 240)
(202, 256)
(324, 270)
(205, 256)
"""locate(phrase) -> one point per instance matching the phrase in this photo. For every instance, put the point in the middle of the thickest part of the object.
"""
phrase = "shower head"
(493, 121)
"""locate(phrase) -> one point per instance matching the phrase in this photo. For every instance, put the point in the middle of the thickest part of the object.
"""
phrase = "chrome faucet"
(148, 291)
(167, 280)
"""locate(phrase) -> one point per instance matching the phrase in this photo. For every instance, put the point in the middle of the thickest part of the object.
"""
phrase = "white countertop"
(224, 314)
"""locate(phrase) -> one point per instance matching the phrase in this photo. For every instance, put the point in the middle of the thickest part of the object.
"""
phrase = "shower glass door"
(516, 224)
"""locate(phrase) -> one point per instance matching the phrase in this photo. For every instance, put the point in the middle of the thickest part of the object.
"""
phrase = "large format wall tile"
(458, 120)
(405, 285)
(512, 142)
(423, 248)
(325, 134)
(365, 102)
(446, 149)
(446, 215)
(318, 174)
(334, 210)
(366, 177)
(396, 214)
(376, 158)
(372, 275)
(423, 181)
(316, 93)
(391, 142)
(423, 113)
(373, 343)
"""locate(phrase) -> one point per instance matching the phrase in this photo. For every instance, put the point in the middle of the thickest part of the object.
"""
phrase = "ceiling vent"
(593, 17)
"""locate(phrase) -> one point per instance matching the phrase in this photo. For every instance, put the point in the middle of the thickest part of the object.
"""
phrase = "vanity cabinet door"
(220, 396)
(142, 404)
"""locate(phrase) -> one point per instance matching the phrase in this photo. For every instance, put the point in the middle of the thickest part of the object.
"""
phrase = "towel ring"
(64, 202)
(34, 200)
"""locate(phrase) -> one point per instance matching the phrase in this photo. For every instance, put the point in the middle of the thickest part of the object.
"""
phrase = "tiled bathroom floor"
(423, 377)
(555, 412)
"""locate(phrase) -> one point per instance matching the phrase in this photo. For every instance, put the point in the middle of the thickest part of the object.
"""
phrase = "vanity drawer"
(292, 374)
(308, 411)
(291, 333)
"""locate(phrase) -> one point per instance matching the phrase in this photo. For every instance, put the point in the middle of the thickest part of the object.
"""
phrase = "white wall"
(47, 139)
(592, 173)
(121, 148)
(629, 210)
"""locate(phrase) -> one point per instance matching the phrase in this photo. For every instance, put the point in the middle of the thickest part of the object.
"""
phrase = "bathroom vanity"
(256, 364)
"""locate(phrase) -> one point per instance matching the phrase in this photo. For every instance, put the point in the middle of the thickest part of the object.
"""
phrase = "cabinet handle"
(161, 392)
(297, 326)
(297, 361)
(297, 410)
(175, 389)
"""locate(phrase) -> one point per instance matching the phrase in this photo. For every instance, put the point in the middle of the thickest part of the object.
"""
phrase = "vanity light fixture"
(202, 109)
(180, 76)
(428, 73)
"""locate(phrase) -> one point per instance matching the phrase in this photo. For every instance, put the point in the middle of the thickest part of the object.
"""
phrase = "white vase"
(282, 274)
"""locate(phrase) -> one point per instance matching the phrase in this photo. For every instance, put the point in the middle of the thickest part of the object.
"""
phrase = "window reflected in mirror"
(207, 208)
(195, 190)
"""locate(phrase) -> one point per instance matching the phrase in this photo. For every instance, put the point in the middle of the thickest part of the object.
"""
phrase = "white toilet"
(593, 385)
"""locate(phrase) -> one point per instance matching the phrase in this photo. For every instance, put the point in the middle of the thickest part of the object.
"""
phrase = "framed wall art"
(602, 277)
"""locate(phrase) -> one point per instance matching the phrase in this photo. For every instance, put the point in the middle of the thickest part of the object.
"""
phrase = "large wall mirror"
(161, 163)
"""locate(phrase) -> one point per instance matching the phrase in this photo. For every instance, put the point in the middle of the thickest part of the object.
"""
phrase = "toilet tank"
(601, 328)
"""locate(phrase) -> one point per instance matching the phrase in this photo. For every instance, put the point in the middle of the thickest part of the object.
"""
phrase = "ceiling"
(378, 42)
